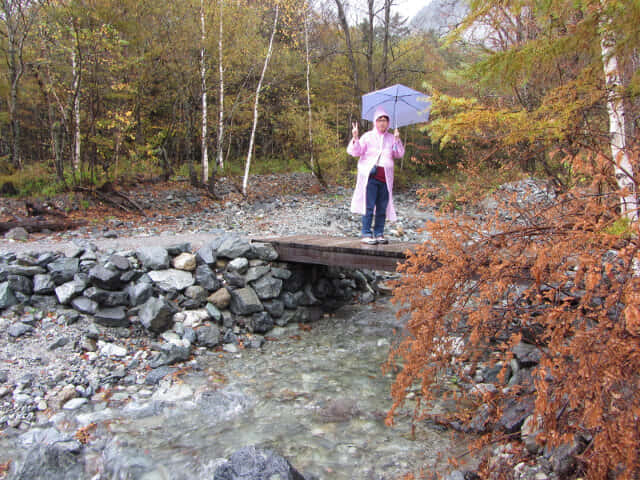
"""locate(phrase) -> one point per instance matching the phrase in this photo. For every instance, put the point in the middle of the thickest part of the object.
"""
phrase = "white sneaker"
(368, 240)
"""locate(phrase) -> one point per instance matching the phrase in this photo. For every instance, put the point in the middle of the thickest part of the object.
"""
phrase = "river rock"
(206, 278)
(221, 298)
(53, 462)
(112, 317)
(7, 296)
(43, 284)
(264, 251)
(213, 312)
(261, 322)
(118, 261)
(69, 290)
(196, 293)
(233, 247)
(169, 354)
(84, 305)
(234, 279)
(256, 464)
(19, 329)
(515, 413)
(267, 287)
(208, 336)
(185, 261)
(172, 279)
(206, 255)
(191, 318)
(244, 301)
(153, 258)
(527, 354)
(238, 265)
(139, 293)
(24, 270)
(106, 278)
(156, 314)
(18, 233)
(254, 273)
(20, 284)
(281, 273)
(274, 307)
(111, 350)
(63, 269)
(107, 298)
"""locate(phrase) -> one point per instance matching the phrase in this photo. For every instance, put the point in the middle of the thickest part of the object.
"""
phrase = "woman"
(377, 150)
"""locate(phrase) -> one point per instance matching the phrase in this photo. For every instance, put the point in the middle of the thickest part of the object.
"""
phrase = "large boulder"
(233, 246)
(172, 279)
(251, 463)
(244, 301)
(53, 462)
(63, 269)
(156, 314)
(267, 287)
(206, 278)
(153, 258)
(107, 278)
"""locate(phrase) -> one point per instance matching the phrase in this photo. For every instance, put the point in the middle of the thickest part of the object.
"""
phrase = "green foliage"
(34, 181)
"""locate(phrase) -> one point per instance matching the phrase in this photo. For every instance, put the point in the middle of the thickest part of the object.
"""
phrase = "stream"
(316, 396)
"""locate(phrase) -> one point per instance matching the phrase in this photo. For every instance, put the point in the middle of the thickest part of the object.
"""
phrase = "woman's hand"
(354, 130)
(396, 134)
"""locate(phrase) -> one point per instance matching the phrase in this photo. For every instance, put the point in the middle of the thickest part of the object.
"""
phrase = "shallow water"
(317, 397)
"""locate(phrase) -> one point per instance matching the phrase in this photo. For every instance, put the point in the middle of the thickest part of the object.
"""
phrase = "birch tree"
(219, 153)
(308, 74)
(245, 179)
(203, 85)
(623, 169)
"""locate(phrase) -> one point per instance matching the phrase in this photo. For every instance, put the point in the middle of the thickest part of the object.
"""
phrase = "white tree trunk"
(76, 110)
(220, 158)
(306, 45)
(203, 79)
(247, 166)
(615, 107)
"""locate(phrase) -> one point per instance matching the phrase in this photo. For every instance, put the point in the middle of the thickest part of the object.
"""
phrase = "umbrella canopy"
(405, 105)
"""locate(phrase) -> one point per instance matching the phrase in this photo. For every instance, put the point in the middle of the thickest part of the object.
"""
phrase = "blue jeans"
(378, 197)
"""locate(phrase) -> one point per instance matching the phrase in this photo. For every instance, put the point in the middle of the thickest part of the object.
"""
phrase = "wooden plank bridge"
(339, 251)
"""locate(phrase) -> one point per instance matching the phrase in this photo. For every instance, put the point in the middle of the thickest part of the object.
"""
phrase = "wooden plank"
(339, 251)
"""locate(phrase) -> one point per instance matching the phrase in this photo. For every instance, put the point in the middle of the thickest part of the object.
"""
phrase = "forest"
(101, 91)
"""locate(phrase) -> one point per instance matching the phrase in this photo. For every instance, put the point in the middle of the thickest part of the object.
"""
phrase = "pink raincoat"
(368, 148)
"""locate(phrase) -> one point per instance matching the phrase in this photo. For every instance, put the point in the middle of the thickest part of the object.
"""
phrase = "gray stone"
(119, 262)
(106, 278)
(139, 293)
(206, 255)
(197, 293)
(251, 463)
(206, 278)
(515, 413)
(171, 279)
(21, 284)
(157, 374)
(234, 279)
(264, 251)
(24, 270)
(233, 247)
(19, 329)
(208, 336)
(18, 233)
(267, 287)
(244, 301)
(527, 354)
(261, 322)
(170, 353)
(309, 314)
(156, 314)
(7, 296)
(254, 273)
(185, 261)
(153, 258)
(213, 312)
(107, 298)
(112, 317)
(274, 307)
(290, 300)
(53, 462)
(68, 291)
(58, 343)
(179, 248)
(63, 269)
(281, 273)
(43, 284)
(238, 265)
(84, 305)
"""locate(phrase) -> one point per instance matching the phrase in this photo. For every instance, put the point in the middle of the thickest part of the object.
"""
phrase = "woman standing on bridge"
(377, 150)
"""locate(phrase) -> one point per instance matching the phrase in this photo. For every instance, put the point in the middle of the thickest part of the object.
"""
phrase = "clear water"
(317, 397)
